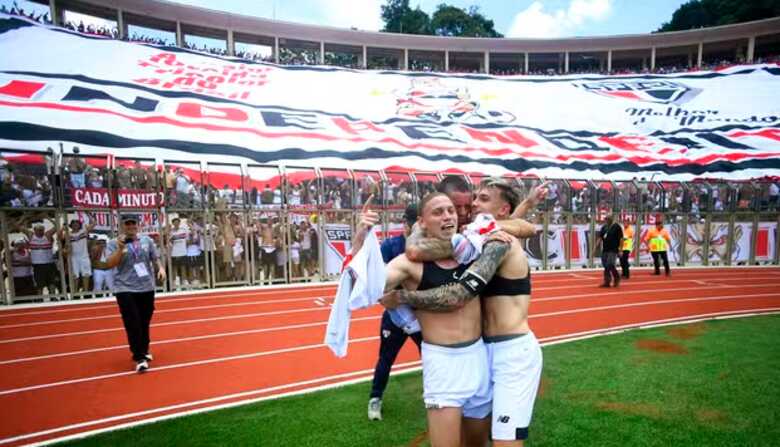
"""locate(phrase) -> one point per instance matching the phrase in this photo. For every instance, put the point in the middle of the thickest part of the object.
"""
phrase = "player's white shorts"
(515, 369)
(457, 377)
(80, 266)
(103, 280)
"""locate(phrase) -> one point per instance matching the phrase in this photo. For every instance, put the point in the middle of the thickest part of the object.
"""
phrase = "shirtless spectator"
(102, 276)
(177, 244)
(268, 250)
(78, 254)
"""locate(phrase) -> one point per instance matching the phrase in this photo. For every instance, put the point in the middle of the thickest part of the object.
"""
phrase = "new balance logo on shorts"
(503, 419)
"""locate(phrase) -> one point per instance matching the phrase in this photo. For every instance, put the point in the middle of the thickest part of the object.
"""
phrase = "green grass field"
(705, 384)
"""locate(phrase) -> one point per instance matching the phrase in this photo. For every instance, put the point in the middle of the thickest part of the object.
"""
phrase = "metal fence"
(219, 224)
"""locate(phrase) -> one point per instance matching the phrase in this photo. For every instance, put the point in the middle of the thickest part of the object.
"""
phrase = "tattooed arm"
(420, 248)
(454, 295)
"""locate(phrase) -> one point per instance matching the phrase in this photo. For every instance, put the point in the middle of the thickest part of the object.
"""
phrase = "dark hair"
(508, 193)
(410, 215)
(427, 198)
(453, 183)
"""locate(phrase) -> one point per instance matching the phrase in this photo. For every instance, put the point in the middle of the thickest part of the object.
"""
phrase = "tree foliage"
(703, 13)
(447, 20)
(452, 21)
(400, 18)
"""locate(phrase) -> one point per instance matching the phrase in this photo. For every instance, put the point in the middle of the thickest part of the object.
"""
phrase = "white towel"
(361, 285)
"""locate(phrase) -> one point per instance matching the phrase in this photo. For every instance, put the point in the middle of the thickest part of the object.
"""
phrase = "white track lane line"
(179, 365)
(179, 340)
(298, 348)
(81, 305)
(168, 323)
(214, 294)
(251, 331)
(322, 300)
(245, 397)
(594, 294)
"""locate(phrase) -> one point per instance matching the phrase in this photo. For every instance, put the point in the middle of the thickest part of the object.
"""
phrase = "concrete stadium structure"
(744, 42)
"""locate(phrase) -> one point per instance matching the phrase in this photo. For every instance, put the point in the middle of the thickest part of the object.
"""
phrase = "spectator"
(177, 243)
(41, 243)
(102, 277)
(78, 258)
(21, 268)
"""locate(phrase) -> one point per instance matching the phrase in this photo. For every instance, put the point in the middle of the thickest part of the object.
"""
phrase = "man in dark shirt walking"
(610, 237)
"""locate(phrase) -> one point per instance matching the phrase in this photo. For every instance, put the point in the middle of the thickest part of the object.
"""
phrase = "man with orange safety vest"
(658, 240)
(626, 247)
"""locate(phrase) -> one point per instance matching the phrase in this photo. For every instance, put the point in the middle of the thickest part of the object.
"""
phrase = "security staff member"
(658, 240)
(627, 247)
(134, 257)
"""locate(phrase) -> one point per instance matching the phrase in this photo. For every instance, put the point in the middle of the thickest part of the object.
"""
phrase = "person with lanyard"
(393, 330)
(611, 239)
(658, 240)
(134, 257)
(627, 247)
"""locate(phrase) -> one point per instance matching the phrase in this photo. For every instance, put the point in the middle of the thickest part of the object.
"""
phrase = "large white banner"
(108, 96)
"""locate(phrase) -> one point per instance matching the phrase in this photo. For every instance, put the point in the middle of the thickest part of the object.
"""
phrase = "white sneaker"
(141, 366)
(149, 357)
(375, 409)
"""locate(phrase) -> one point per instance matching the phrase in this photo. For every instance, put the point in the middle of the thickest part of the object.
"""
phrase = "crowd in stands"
(19, 11)
(210, 232)
(299, 56)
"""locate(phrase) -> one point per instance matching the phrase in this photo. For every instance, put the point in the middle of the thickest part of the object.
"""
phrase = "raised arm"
(420, 248)
(450, 296)
(530, 202)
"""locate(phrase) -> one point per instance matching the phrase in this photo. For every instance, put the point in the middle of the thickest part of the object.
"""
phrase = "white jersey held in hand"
(362, 284)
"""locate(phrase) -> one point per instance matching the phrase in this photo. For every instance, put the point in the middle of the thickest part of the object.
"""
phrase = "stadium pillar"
(364, 62)
(406, 59)
(231, 44)
(55, 13)
(446, 60)
(179, 36)
(276, 50)
(700, 51)
(751, 48)
(487, 62)
(121, 25)
(609, 61)
(322, 52)
(652, 58)
(525, 64)
(566, 62)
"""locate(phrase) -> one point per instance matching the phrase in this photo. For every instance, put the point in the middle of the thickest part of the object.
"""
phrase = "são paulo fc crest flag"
(137, 100)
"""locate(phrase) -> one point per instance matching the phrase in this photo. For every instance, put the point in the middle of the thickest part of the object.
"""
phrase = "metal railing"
(245, 224)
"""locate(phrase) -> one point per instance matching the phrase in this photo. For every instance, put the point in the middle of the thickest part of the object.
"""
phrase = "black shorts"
(195, 261)
(268, 258)
(24, 286)
(44, 274)
(179, 261)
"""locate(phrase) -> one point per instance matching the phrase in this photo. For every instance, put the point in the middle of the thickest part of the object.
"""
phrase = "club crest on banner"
(432, 99)
(655, 91)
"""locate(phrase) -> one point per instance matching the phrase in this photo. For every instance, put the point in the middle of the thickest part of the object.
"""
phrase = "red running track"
(66, 370)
